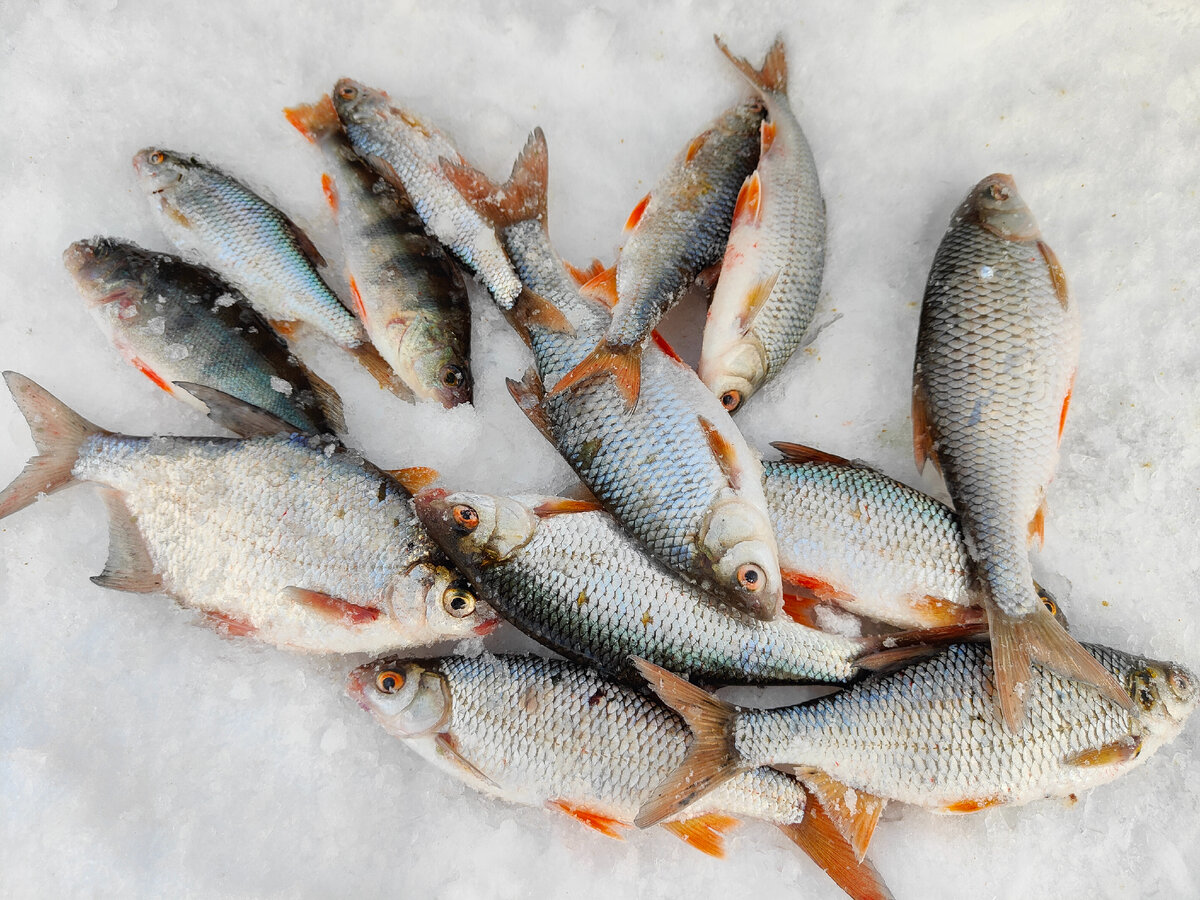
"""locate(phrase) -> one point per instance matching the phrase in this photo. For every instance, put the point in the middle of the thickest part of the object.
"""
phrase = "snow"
(143, 755)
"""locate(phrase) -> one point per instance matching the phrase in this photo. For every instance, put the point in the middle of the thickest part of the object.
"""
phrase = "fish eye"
(465, 516)
(1180, 683)
(751, 577)
(458, 601)
(389, 681)
(453, 376)
(731, 400)
(348, 92)
(1050, 605)
(157, 158)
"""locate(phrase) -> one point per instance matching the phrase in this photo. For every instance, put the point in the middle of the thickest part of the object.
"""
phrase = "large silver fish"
(545, 732)
(675, 470)
(771, 274)
(285, 537)
(996, 356)
(251, 244)
(177, 322)
(408, 152)
(406, 291)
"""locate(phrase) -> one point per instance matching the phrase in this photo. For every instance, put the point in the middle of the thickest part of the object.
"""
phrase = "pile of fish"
(682, 562)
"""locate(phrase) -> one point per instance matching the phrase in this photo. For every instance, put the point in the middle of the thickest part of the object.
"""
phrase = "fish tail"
(712, 758)
(887, 651)
(818, 836)
(314, 120)
(369, 358)
(622, 364)
(58, 431)
(1039, 637)
(772, 77)
(521, 198)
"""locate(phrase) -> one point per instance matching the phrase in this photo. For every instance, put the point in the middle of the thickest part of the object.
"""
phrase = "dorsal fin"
(243, 419)
(801, 453)
(772, 77)
(521, 198)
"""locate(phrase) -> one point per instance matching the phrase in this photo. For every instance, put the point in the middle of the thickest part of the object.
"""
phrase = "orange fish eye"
(389, 682)
(453, 376)
(1050, 605)
(157, 158)
(465, 516)
(348, 92)
(751, 577)
(731, 400)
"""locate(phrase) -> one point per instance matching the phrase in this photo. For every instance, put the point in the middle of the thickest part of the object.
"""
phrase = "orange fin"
(818, 837)
(1057, 276)
(748, 209)
(661, 343)
(529, 394)
(532, 310)
(129, 567)
(706, 833)
(755, 300)
(448, 747)
(151, 374)
(243, 419)
(712, 758)
(936, 612)
(606, 825)
(360, 308)
(329, 189)
(584, 275)
(623, 365)
(971, 805)
(801, 610)
(1120, 751)
(179, 217)
(638, 211)
(1062, 417)
(521, 198)
(229, 625)
(314, 120)
(766, 137)
(285, 328)
(924, 442)
(812, 586)
(414, 478)
(557, 506)
(696, 145)
(602, 286)
(854, 813)
(368, 357)
(723, 451)
(335, 609)
(1037, 525)
(800, 453)
(772, 77)
(1038, 637)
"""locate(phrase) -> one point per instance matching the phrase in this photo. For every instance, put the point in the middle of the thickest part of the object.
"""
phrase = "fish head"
(736, 371)
(475, 529)
(742, 557)
(430, 361)
(451, 608)
(160, 170)
(358, 104)
(409, 698)
(995, 204)
(108, 271)
(1165, 693)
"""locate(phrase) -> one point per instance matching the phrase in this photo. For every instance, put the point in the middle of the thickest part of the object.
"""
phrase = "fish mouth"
(78, 256)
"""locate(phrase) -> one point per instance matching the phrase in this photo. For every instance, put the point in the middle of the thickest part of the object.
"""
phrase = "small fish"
(282, 536)
(674, 233)
(177, 322)
(771, 274)
(675, 471)
(546, 732)
(996, 356)
(407, 293)
(255, 247)
(408, 152)
(930, 734)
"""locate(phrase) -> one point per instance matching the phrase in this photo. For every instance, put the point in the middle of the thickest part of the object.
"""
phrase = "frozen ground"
(142, 755)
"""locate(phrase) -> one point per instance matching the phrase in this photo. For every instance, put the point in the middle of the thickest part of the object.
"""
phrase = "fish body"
(996, 356)
(407, 151)
(674, 470)
(573, 580)
(771, 273)
(285, 537)
(406, 291)
(178, 322)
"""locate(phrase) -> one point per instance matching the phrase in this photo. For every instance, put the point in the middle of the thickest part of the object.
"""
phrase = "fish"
(407, 151)
(174, 322)
(285, 537)
(675, 232)
(564, 572)
(218, 220)
(675, 471)
(547, 732)
(770, 278)
(406, 291)
(996, 354)
(930, 734)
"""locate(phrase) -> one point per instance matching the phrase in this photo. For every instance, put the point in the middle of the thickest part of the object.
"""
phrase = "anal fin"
(706, 833)
(228, 625)
(973, 804)
(129, 566)
(606, 825)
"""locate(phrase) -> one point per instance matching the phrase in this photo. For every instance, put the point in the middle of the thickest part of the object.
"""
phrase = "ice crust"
(143, 755)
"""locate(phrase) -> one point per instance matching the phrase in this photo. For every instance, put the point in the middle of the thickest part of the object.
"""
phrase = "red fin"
(696, 145)
(706, 833)
(285, 328)
(606, 825)
(817, 836)
(448, 747)
(812, 586)
(801, 610)
(152, 375)
(748, 210)
(521, 198)
(974, 805)
(924, 442)
(314, 120)
(723, 451)
(532, 310)
(359, 308)
(661, 343)
(128, 567)
(638, 211)
(1037, 525)
(584, 275)
(622, 364)
(935, 612)
(772, 77)
(228, 625)
(1062, 418)
(1119, 751)
(1057, 276)
(414, 478)
(766, 137)
(800, 453)
(712, 758)
(602, 286)
(368, 357)
(333, 608)
(529, 394)
(329, 189)
(557, 506)
(854, 813)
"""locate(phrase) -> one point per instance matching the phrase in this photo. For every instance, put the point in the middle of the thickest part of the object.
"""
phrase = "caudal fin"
(772, 77)
(712, 759)
(817, 836)
(622, 364)
(314, 120)
(58, 431)
(521, 198)
(1018, 642)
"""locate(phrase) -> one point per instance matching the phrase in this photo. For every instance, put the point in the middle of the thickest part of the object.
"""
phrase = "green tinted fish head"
(996, 205)
(106, 270)
(475, 530)
(437, 369)
(409, 698)
(737, 542)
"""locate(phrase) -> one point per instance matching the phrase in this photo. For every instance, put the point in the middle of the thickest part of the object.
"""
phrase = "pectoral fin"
(1124, 750)
(333, 609)
(606, 825)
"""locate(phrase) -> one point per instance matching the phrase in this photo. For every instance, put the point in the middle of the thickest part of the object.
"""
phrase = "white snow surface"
(143, 755)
